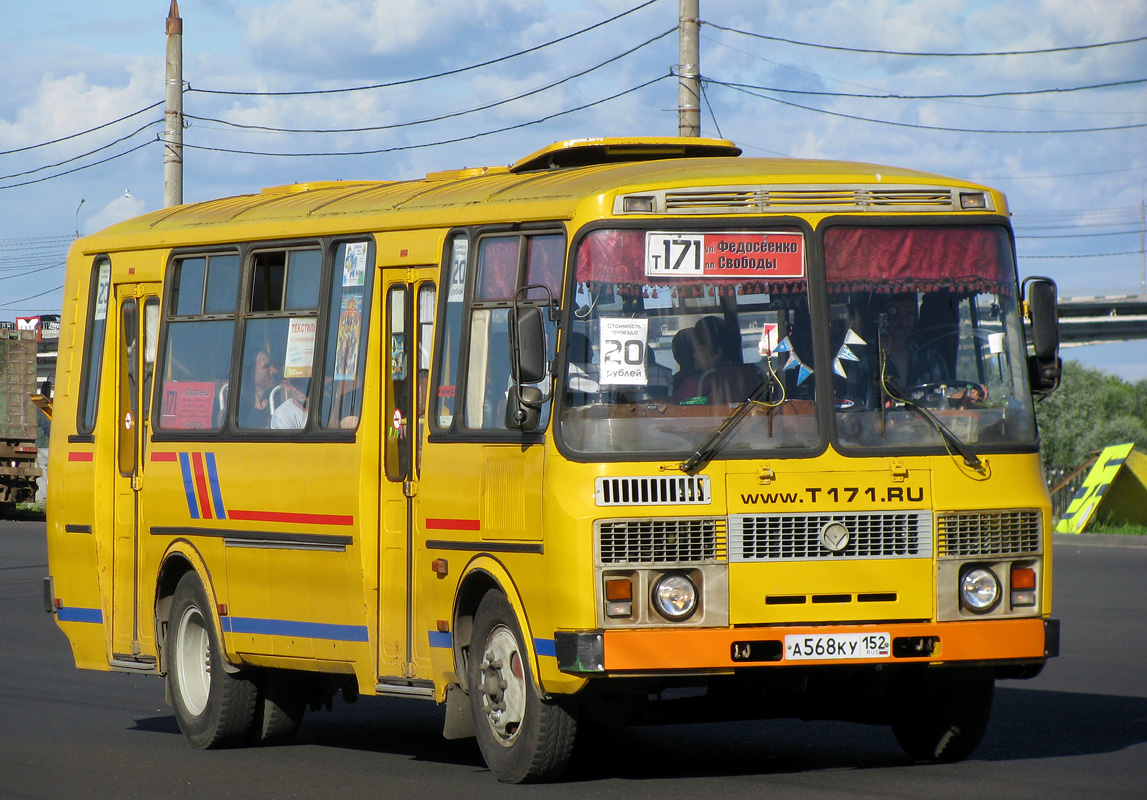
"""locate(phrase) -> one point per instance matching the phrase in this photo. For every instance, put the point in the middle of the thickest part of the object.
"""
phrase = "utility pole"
(689, 69)
(173, 115)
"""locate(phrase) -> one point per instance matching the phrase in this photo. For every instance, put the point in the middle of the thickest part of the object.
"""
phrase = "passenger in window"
(291, 414)
(256, 407)
(685, 379)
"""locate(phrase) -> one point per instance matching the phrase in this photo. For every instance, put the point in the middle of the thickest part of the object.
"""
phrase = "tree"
(1090, 410)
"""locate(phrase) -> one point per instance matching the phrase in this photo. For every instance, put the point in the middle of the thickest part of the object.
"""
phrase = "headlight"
(675, 597)
(979, 589)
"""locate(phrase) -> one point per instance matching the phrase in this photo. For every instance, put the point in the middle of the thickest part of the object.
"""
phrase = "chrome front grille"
(653, 490)
(988, 533)
(660, 541)
(796, 537)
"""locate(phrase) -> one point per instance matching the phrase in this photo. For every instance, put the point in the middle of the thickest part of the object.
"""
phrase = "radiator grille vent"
(720, 200)
(796, 537)
(988, 533)
(660, 541)
(655, 490)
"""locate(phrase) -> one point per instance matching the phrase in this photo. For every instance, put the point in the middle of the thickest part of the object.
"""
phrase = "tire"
(944, 720)
(214, 708)
(523, 737)
(279, 708)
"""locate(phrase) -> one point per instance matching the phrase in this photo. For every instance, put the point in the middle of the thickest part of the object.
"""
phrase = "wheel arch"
(180, 558)
(483, 574)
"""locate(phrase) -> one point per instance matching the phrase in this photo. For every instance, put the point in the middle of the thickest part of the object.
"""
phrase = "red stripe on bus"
(75, 456)
(453, 524)
(164, 456)
(290, 516)
(201, 485)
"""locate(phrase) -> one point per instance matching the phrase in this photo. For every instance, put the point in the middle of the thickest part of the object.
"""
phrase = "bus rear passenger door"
(138, 328)
(408, 325)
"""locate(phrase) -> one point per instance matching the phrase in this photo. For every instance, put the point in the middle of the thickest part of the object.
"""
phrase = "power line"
(100, 149)
(1088, 255)
(399, 148)
(407, 81)
(927, 127)
(928, 55)
(31, 297)
(82, 133)
(441, 117)
(83, 167)
(899, 96)
(1076, 235)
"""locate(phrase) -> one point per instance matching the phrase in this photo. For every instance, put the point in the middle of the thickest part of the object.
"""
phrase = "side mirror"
(528, 345)
(523, 408)
(1044, 313)
(1044, 365)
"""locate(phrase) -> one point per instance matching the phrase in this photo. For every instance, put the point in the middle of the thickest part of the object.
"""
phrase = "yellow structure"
(550, 441)
(1113, 491)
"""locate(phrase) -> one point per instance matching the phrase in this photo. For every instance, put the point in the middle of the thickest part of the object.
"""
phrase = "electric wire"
(421, 145)
(407, 81)
(82, 133)
(918, 126)
(925, 55)
(440, 117)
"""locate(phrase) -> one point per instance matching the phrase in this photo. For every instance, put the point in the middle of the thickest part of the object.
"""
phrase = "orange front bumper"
(713, 649)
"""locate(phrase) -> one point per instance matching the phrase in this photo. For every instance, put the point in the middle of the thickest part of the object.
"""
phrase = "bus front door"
(138, 326)
(408, 325)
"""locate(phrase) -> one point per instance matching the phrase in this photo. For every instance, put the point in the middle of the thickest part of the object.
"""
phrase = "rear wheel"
(214, 708)
(944, 720)
(523, 737)
(279, 707)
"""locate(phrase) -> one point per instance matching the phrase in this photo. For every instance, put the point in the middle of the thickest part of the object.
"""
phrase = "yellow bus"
(632, 430)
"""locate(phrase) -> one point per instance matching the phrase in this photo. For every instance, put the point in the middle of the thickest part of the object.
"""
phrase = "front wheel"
(523, 737)
(214, 708)
(944, 720)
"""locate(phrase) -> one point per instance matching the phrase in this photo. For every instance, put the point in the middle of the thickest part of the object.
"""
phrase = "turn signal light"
(618, 597)
(1023, 586)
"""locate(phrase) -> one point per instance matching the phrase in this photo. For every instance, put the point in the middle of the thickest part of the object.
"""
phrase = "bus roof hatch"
(586, 152)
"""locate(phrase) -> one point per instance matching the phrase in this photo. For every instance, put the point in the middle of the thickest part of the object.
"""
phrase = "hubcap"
(502, 687)
(193, 661)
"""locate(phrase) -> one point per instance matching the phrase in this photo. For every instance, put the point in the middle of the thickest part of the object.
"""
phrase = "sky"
(1063, 134)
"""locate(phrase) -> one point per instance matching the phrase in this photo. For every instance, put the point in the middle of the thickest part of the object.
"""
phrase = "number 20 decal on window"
(776, 255)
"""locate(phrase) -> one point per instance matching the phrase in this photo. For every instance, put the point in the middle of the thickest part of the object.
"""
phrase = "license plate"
(837, 646)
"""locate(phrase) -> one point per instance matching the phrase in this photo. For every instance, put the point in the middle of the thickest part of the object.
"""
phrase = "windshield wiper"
(961, 447)
(711, 446)
(890, 390)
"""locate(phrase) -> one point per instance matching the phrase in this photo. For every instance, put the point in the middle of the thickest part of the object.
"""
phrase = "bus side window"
(98, 293)
(200, 331)
(505, 263)
(347, 322)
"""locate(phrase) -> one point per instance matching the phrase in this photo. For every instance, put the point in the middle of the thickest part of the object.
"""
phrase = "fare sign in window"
(724, 254)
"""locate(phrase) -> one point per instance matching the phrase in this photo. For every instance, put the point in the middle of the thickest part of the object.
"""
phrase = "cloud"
(121, 208)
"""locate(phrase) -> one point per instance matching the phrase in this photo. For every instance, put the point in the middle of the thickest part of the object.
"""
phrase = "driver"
(907, 362)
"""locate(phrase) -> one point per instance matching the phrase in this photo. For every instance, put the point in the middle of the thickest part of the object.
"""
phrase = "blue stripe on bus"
(67, 614)
(216, 493)
(286, 627)
(440, 639)
(546, 647)
(188, 485)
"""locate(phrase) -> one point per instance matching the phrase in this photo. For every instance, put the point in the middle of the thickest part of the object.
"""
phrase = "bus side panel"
(78, 539)
(278, 526)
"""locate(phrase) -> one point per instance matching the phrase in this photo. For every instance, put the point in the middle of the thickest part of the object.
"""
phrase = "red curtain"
(962, 259)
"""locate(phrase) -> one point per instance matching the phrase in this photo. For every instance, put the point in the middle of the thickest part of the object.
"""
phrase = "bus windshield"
(925, 317)
(672, 330)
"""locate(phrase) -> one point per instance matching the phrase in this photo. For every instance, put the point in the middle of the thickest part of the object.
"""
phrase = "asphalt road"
(1079, 730)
